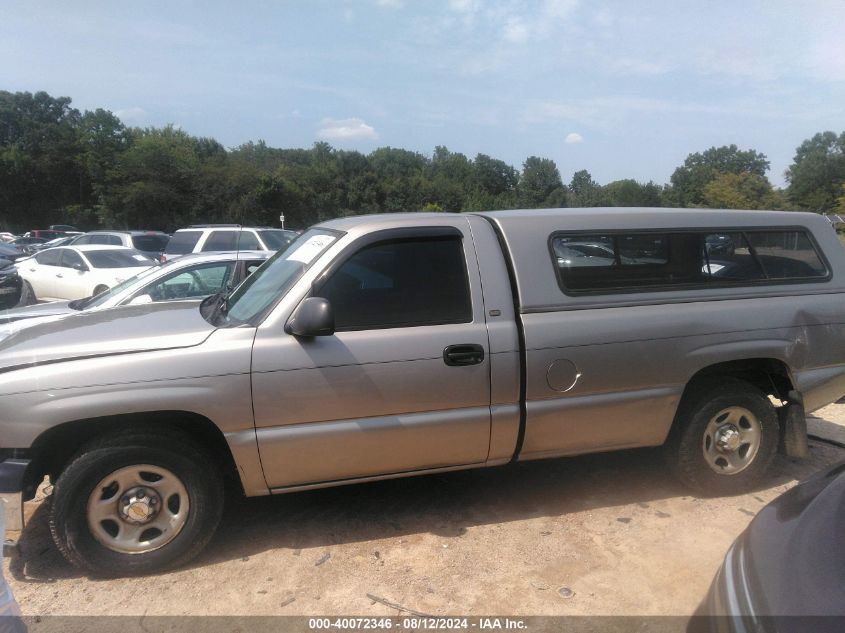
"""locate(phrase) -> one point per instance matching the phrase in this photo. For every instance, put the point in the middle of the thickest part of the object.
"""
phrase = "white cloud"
(574, 137)
(516, 30)
(463, 6)
(353, 129)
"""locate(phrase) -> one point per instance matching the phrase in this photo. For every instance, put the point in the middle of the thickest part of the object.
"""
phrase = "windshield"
(277, 239)
(103, 297)
(255, 296)
(118, 259)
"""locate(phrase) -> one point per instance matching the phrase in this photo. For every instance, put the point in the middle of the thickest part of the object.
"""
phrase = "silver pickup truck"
(385, 346)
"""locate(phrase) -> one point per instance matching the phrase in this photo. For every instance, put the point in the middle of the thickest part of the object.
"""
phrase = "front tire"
(724, 438)
(100, 289)
(135, 505)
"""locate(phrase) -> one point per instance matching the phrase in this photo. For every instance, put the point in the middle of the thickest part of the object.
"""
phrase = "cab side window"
(401, 283)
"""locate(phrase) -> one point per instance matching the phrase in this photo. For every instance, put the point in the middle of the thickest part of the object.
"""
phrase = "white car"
(191, 277)
(206, 238)
(74, 272)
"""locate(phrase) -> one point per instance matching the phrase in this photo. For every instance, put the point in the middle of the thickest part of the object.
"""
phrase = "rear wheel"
(27, 294)
(133, 504)
(725, 437)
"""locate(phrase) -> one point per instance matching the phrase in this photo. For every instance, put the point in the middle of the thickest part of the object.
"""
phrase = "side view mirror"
(312, 317)
(141, 299)
(80, 266)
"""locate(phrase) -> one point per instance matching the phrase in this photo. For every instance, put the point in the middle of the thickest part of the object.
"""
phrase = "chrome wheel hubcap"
(137, 509)
(731, 440)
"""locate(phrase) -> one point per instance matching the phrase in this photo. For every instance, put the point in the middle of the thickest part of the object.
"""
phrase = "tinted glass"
(72, 259)
(50, 257)
(110, 240)
(251, 267)
(117, 259)
(603, 262)
(277, 239)
(220, 241)
(787, 254)
(621, 262)
(150, 243)
(82, 239)
(400, 284)
(728, 258)
(194, 283)
(249, 242)
(182, 242)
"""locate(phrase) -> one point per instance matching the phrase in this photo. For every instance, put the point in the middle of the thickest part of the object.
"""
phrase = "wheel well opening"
(54, 448)
(770, 375)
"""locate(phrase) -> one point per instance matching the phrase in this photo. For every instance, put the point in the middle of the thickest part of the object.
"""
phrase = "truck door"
(403, 384)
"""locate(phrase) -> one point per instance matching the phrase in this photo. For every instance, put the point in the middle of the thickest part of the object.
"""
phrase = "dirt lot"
(604, 534)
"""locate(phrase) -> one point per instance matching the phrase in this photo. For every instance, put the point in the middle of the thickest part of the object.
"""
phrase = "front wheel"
(725, 437)
(134, 506)
(100, 290)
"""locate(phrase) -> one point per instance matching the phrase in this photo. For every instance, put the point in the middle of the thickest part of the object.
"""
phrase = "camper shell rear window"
(628, 261)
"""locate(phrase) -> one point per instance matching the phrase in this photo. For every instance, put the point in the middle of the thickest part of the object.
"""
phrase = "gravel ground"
(608, 534)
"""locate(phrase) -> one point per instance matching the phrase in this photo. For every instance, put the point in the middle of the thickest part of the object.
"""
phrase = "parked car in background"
(45, 234)
(194, 276)
(74, 272)
(11, 252)
(59, 241)
(204, 238)
(67, 228)
(10, 285)
(27, 244)
(150, 243)
(7, 237)
(788, 563)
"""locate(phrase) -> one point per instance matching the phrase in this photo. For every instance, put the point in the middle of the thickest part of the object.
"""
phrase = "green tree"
(154, 183)
(630, 193)
(817, 172)
(493, 177)
(586, 192)
(540, 177)
(41, 167)
(689, 180)
(741, 191)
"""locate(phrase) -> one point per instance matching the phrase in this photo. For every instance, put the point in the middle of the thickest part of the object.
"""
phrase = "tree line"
(60, 165)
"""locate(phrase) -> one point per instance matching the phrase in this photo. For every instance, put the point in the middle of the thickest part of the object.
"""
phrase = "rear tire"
(27, 294)
(134, 504)
(724, 438)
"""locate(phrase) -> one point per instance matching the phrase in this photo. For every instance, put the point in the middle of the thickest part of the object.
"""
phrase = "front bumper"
(12, 472)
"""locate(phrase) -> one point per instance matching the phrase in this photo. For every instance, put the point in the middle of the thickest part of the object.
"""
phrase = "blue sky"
(623, 89)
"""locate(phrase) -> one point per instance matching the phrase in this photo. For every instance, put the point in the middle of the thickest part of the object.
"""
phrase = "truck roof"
(598, 218)
(526, 233)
